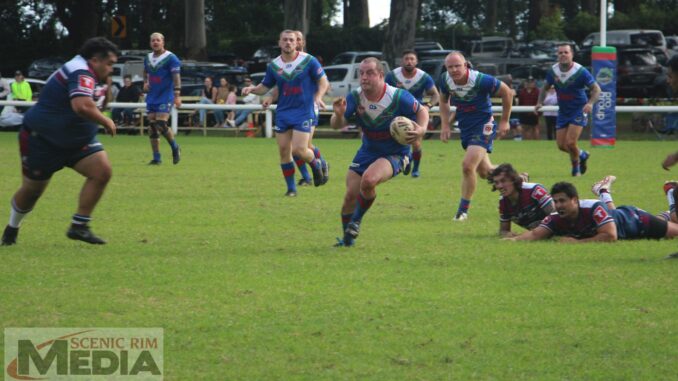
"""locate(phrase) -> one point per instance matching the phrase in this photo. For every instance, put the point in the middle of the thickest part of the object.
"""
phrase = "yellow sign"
(119, 27)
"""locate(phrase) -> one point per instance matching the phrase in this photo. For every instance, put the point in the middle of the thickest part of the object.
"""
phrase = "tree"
(356, 13)
(196, 39)
(296, 16)
(490, 16)
(401, 28)
(80, 17)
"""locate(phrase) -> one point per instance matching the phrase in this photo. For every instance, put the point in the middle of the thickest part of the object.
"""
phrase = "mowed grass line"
(247, 286)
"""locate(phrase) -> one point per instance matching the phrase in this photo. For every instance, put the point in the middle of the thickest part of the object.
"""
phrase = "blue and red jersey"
(418, 85)
(528, 211)
(160, 71)
(472, 100)
(297, 85)
(570, 88)
(374, 118)
(53, 117)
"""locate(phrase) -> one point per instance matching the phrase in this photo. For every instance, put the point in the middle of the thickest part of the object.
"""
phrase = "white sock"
(605, 197)
(670, 198)
(16, 215)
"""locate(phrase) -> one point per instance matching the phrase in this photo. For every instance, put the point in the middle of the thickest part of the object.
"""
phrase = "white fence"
(269, 111)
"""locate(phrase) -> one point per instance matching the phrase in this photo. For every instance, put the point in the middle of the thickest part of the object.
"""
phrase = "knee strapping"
(161, 126)
(153, 130)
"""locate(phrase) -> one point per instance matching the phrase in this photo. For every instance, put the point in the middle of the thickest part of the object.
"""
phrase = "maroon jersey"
(529, 210)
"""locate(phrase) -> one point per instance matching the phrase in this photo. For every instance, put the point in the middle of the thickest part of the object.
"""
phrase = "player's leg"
(578, 156)
(670, 191)
(416, 157)
(324, 165)
(162, 125)
(284, 141)
(474, 156)
(300, 139)
(301, 165)
(22, 203)
(353, 180)
(96, 168)
(154, 137)
(602, 190)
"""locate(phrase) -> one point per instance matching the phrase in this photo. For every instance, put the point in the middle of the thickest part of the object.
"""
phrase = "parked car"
(199, 70)
(492, 47)
(133, 68)
(44, 67)
(672, 45)
(522, 73)
(421, 45)
(262, 57)
(433, 54)
(344, 78)
(352, 57)
(629, 37)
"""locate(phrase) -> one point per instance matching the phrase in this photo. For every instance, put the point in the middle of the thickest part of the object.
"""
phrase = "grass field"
(247, 285)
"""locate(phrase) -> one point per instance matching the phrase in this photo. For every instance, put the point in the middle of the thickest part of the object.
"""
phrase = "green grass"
(247, 286)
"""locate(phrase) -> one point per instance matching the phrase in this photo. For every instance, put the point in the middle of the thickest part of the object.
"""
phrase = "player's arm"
(605, 233)
(445, 121)
(542, 95)
(505, 229)
(87, 108)
(595, 93)
(434, 97)
(323, 86)
(420, 125)
(506, 95)
(270, 97)
(549, 208)
(146, 81)
(176, 77)
(259, 89)
(539, 233)
(337, 120)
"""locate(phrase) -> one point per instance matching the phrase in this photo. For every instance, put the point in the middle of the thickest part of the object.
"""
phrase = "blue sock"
(416, 157)
(317, 154)
(288, 172)
(301, 164)
(173, 144)
(156, 156)
(362, 205)
(345, 219)
(464, 204)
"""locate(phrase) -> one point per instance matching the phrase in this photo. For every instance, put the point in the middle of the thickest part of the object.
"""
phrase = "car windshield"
(650, 39)
(637, 58)
(336, 74)
(344, 58)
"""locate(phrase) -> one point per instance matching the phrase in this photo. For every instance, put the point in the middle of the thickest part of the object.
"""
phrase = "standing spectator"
(128, 94)
(4, 91)
(209, 96)
(551, 99)
(21, 90)
(528, 96)
(222, 94)
(250, 99)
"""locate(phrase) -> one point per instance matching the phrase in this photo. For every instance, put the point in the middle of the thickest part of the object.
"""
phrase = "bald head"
(456, 66)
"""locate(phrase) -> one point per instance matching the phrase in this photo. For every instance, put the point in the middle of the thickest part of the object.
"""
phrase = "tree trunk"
(296, 16)
(511, 18)
(196, 38)
(359, 14)
(624, 6)
(538, 9)
(490, 16)
(401, 29)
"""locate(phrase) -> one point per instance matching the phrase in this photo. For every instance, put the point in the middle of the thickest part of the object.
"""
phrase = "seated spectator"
(231, 99)
(551, 99)
(528, 96)
(209, 96)
(4, 92)
(129, 93)
(222, 95)
(21, 90)
(250, 99)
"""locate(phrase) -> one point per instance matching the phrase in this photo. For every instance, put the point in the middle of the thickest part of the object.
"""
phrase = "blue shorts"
(158, 108)
(40, 159)
(363, 159)
(477, 136)
(283, 125)
(578, 119)
(634, 223)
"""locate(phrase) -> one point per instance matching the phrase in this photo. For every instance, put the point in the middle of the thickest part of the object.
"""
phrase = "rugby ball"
(399, 127)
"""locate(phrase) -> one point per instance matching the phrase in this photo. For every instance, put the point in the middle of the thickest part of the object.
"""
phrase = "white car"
(345, 78)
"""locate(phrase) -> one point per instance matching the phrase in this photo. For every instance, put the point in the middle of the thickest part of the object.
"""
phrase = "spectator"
(551, 99)
(250, 99)
(231, 99)
(4, 91)
(528, 96)
(21, 90)
(129, 93)
(209, 96)
(222, 95)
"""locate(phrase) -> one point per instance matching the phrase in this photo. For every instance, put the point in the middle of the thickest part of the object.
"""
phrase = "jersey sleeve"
(269, 79)
(549, 77)
(408, 106)
(81, 83)
(600, 214)
(490, 84)
(428, 82)
(175, 64)
(351, 105)
(588, 78)
(442, 86)
(390, 79)
(541, 196)
(315, 69)
(549, 223)
(504, 216)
